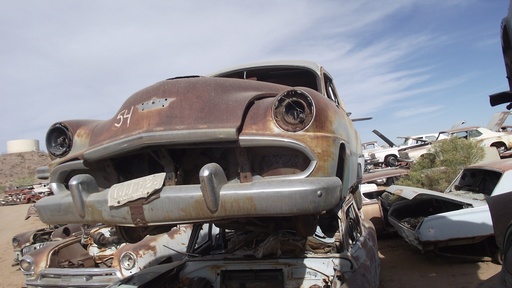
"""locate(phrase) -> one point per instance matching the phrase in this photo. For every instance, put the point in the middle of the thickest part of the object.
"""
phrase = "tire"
(391, 161)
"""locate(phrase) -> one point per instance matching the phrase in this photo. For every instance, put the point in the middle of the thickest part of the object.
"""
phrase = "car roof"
(501, 165)
(466, 128)
(284, 63)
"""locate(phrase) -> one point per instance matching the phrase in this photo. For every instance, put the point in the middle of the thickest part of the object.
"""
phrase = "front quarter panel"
(464, 223)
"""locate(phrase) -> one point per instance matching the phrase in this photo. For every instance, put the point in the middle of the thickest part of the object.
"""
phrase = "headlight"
(27, 264)
(15, 242)
(58, 140)
(293, 110)
(128, 260)
(372, 155)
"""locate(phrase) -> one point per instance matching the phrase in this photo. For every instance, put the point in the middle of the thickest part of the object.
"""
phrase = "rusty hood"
(190, 109)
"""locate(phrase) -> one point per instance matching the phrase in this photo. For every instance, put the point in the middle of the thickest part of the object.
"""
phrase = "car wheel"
(500, 147)
(391, 161)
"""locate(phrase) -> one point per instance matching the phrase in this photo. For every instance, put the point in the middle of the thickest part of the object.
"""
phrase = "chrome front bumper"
(214, 199)
(75, 277)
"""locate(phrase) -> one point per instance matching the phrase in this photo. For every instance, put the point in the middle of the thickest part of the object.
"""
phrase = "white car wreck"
(492, 135)
(431, 220)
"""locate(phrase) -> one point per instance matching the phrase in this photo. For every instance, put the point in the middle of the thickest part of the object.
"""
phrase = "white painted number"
(124, 114)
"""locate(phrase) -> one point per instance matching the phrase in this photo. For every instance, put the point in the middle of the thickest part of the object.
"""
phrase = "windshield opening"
(477, 181)
(285, 76)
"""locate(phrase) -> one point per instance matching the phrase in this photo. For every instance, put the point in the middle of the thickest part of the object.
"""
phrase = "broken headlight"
(293, 110)
(15, 242)
(58, 140)
(27, 264)
(128, 260)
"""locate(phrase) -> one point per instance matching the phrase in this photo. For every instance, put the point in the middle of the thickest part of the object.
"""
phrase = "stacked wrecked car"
(432, 220)
(261, 161)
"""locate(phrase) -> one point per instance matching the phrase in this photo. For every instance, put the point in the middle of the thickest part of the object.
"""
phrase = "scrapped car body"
(385, 176)
(264, 154)
(202, 149)
(369, 147)
(99, 257)
(389, 157)
(26, 194)
(26, 242)
(490, 136)
(430, 220)
(373, 186)
(283, 258)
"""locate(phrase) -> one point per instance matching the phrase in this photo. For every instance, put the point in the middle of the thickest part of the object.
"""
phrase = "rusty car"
(436, 221)
(236, 258)
(25, 194)
(208, 149)
(26, 242)
(259, 148)
(97, 257)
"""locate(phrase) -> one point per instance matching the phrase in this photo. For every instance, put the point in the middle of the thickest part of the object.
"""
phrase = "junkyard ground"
(401, 264)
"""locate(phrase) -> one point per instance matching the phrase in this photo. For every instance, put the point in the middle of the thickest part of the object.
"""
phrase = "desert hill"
(18, 169)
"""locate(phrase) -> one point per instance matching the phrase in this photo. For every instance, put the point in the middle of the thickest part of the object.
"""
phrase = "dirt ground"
(401, 264)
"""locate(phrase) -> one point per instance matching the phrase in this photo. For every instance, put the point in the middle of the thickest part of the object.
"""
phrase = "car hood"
(459, 196)
(193, 109)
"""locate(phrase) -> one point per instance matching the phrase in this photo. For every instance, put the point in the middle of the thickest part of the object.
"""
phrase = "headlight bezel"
(59, 140)
(128, 260)
(27, 264)
(15, 242)
(293, 110)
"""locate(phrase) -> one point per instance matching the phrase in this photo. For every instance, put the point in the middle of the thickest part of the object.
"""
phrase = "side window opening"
(330, 90)
(474, 134)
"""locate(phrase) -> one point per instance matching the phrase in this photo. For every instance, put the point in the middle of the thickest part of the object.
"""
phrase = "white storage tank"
(22, 145)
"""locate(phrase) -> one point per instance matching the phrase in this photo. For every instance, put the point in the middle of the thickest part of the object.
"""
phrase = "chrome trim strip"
(253, 141)
(160, 138)
(75, 277)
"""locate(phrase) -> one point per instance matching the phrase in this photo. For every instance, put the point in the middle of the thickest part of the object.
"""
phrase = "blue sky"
(414, 66)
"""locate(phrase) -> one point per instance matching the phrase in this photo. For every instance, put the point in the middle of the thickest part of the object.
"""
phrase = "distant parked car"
(502, 141)
(389, 156)
(369, 147)
(431, 220)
